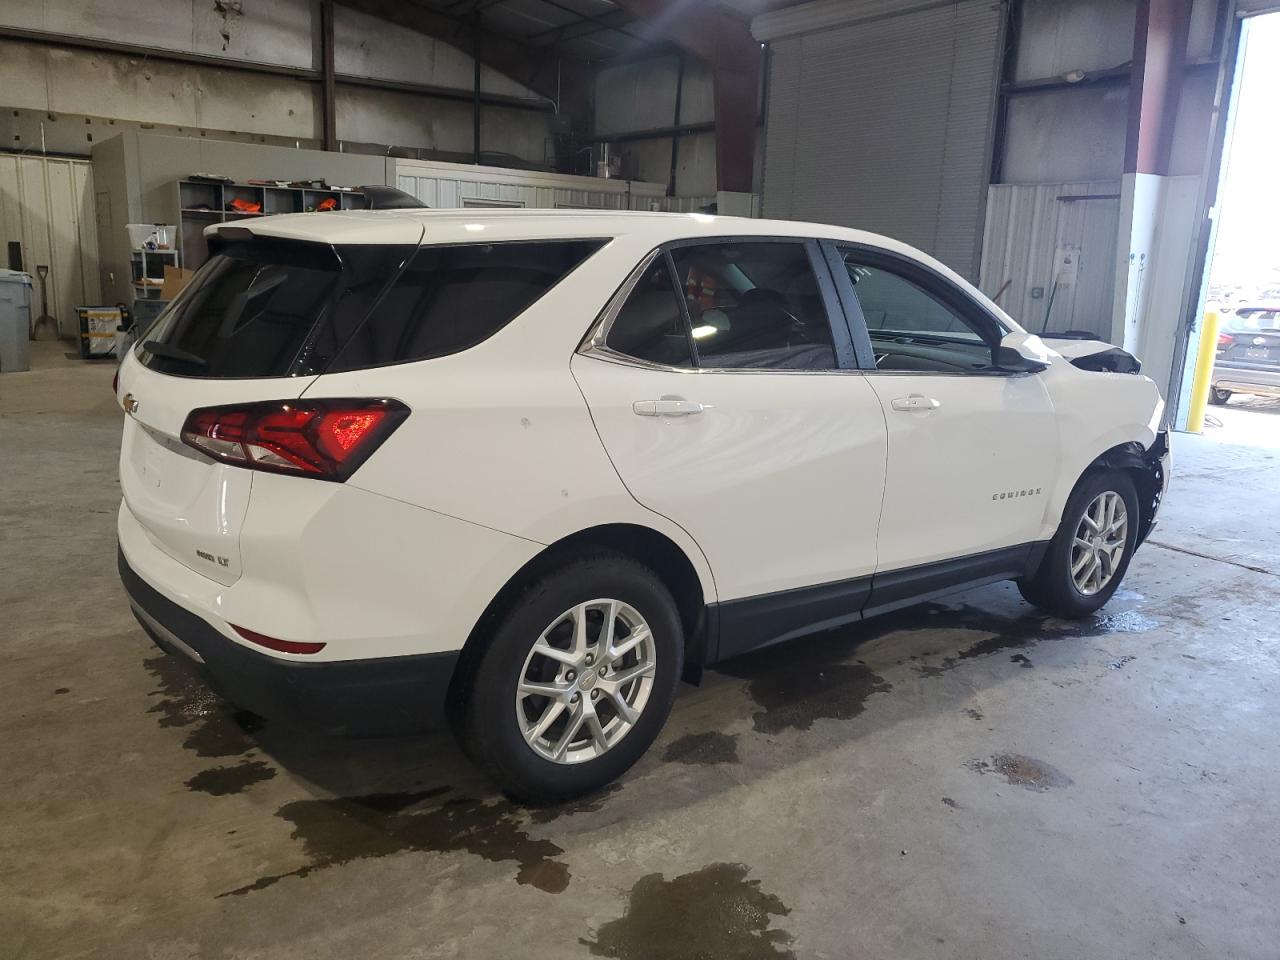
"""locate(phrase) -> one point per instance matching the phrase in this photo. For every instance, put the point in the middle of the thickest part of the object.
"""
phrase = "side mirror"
(1022, 353)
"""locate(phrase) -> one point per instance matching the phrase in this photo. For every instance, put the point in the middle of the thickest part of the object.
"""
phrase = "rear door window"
(755, 304)
(450, 298)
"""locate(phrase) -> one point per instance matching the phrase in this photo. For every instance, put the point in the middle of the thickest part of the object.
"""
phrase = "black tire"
(1219, 397)
(488, 724)
(1051, 587)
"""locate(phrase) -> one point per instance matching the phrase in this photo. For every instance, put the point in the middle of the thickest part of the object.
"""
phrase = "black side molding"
(736, 626)
(773, 617)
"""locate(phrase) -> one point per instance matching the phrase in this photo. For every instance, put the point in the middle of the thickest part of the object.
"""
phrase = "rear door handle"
(667, 407)
(917, 401)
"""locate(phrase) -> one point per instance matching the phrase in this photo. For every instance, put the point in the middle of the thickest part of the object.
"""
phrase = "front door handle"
(667, 407)
(917, 401)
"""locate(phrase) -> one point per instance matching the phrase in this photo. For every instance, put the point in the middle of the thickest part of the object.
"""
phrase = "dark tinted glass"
(450, 298)
(755, 305)
(650, 326)
(266, 308)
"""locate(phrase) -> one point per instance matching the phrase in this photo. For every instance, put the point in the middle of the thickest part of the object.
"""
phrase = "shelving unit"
(202, 202)
(149, 265)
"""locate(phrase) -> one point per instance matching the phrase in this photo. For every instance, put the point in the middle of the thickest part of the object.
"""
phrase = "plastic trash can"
(15, 321)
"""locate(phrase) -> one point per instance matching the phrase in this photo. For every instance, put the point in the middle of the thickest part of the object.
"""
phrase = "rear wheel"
(1090, 553)
(1219, 397)
(577, 681)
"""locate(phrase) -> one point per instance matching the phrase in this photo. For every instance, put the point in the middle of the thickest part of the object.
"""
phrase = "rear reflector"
(325, 439)
(271, 643)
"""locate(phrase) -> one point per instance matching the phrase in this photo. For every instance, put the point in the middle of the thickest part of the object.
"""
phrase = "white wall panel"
(449, 185)
(1026, 225)
(47, 206)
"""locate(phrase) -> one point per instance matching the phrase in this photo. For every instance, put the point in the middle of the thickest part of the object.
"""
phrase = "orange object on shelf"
(328, 203)
(245, 206)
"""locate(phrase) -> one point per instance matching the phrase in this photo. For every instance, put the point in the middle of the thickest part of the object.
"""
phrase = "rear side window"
(450, 298)
(268, 308)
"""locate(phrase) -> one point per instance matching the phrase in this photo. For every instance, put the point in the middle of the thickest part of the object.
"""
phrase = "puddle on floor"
(797, 683)
(184, 700)
(1022, 771)
(715, 912)
(337, 831)
(706, 748)
(222, 781)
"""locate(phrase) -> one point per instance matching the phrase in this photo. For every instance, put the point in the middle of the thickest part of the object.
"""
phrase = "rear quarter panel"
(499, 435)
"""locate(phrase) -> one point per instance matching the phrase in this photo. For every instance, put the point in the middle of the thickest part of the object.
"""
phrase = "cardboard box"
(175, 278)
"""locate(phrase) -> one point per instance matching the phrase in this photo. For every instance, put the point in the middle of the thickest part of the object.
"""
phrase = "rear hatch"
(259, 321)
(1252, 336)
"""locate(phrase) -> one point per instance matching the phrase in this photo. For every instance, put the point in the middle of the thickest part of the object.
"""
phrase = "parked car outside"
(1248, 358)
(524, 470)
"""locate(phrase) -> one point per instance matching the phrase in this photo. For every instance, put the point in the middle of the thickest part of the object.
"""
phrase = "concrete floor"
(968, 779)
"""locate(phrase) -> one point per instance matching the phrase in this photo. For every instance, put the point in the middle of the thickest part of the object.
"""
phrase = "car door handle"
(916, 401)
(667, 407)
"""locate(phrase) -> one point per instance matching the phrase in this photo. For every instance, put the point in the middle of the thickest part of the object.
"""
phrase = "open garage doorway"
(1244, 272)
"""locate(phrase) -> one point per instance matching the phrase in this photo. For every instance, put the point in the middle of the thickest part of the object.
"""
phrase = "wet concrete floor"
(966, 778)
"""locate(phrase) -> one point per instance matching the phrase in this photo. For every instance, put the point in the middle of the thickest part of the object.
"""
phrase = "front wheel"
(577, 680)
(1090, 553)
(1219, 397)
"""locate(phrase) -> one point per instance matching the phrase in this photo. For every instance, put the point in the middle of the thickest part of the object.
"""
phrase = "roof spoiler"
(381, 197)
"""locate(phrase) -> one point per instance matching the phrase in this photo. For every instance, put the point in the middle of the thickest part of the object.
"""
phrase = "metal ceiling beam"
(539, 70)
(723, 40)
(524, 64)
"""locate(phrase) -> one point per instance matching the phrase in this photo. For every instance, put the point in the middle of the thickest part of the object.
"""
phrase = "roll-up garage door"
(885, 123)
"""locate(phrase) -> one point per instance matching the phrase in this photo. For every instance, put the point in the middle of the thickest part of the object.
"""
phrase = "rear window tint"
(267, 308)
(449, 298)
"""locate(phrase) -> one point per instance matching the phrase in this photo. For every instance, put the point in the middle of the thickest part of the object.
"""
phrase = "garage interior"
(965, 778)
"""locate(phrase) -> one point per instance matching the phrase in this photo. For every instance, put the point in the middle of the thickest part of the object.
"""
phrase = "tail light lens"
(1225, 339)
(325, 439)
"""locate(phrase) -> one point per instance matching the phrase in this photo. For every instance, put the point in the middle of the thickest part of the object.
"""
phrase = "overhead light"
(706, 330)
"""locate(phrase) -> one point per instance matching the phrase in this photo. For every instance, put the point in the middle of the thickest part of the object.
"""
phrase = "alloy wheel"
(586, 681)
(1099, 543)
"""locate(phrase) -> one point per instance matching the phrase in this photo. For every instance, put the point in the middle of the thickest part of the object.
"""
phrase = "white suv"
(528, 469)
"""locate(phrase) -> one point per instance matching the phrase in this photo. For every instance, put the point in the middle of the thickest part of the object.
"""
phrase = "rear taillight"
(1225, 339)
(325, 439)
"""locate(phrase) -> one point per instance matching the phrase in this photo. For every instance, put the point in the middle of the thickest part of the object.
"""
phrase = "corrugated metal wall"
(885, 124)
(447, 185)
(1029, 228)
(48, 206)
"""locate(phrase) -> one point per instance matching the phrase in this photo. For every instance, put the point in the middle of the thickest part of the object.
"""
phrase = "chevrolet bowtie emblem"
(130, 405)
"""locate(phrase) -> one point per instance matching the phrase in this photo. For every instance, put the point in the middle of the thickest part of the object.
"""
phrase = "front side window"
(912, 329)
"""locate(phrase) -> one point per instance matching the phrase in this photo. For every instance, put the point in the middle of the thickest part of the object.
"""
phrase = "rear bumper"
(369, 697)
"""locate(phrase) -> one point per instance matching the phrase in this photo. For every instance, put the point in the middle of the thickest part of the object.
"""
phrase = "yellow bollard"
(1203, 378)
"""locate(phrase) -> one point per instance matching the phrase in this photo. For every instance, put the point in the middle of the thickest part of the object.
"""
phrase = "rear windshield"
(266, 308)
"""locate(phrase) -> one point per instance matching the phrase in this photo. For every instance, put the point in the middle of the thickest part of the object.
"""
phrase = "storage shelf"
(215, 197)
